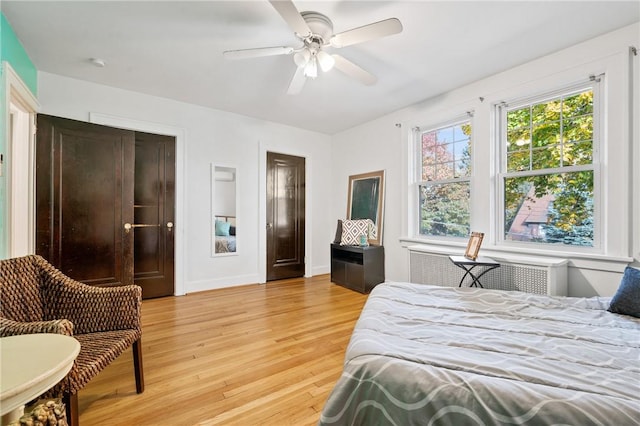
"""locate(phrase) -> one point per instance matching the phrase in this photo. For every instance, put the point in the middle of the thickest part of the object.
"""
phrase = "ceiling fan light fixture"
(302, 57)
(315, 31)
(326, 61)
(311, 69)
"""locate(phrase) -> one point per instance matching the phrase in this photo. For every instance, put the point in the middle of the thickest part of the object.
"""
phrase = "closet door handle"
(128, 226)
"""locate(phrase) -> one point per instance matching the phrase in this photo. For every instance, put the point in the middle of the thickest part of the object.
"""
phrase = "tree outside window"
(548, 177)
(444, 187)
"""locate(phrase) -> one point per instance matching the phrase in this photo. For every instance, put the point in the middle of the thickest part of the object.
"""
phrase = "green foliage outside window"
(555, 134)
(445, 192)
(445, 209)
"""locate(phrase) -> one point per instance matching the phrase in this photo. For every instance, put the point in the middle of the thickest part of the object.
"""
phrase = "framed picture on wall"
(365, 200)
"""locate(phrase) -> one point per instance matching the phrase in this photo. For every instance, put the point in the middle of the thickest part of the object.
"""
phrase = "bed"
(225, 244)
(422, 354)
(225, 234)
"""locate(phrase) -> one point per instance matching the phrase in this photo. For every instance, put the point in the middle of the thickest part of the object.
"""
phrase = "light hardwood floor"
(249, 355)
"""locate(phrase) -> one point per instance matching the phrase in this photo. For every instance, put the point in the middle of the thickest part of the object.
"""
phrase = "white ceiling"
(174, 49)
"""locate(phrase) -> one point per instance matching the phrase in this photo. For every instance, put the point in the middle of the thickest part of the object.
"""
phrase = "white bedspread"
(424, 354)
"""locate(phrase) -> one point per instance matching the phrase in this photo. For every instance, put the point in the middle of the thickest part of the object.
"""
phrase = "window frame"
(417, 181)
(596, 84)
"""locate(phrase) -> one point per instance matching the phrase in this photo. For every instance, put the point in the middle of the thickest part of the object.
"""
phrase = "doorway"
(105, 204)
(285, 216)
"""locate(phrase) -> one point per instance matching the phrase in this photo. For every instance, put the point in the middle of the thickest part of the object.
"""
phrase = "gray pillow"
(626, 301)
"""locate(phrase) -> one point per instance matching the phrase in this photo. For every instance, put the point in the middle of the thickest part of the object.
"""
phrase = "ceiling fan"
(315, 31)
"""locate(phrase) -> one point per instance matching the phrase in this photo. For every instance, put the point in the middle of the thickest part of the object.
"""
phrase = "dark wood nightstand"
(357, 268)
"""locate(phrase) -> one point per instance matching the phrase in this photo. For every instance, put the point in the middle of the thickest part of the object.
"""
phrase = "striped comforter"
(428, 355)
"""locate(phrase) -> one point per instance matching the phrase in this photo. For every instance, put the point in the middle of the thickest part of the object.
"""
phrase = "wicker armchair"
(37, 298)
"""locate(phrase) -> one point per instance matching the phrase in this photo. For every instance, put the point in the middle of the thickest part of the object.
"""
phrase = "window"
(548, 168)
(444, 180)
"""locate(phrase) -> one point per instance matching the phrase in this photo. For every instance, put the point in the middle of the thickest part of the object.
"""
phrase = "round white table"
(31, 364)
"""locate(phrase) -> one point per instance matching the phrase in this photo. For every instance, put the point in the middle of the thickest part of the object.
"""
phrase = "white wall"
(212, 136)
(376, 145)
(381, 144)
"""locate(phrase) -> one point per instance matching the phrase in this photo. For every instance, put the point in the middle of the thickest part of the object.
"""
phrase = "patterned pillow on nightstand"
(353, 229)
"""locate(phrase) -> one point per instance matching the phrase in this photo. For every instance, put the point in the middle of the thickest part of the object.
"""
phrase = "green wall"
(11, 51)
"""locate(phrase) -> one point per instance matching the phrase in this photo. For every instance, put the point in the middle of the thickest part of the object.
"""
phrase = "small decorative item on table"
(471, 260)
(473, 246)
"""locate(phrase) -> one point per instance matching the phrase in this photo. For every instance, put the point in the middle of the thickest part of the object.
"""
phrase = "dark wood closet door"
(105, 204)
(285, 216)
(84, 195)
(154, 214)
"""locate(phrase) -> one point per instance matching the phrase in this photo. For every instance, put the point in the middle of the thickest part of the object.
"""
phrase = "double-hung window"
(444, 179)
(548, 176)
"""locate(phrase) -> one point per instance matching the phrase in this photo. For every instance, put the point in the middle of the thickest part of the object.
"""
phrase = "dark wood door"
(285, 216)
(84, 195)
(154, 214)
(105, 204)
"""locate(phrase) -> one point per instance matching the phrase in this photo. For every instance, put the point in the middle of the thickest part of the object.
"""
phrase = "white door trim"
(20, 164)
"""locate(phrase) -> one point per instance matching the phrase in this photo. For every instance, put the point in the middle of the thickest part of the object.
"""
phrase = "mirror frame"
(365, 200)
(215, 168)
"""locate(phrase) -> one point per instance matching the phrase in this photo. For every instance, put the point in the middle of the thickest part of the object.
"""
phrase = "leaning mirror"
(223, 200)
(366, 201)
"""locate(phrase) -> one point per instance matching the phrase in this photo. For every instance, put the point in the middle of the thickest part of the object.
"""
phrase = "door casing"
(19, 168)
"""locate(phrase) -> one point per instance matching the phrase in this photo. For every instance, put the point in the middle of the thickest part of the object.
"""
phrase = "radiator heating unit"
(528, 274)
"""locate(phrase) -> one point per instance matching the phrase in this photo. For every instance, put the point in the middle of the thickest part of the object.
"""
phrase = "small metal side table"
(468, 265)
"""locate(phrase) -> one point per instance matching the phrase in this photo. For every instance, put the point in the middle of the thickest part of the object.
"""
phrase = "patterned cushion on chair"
(353, 229)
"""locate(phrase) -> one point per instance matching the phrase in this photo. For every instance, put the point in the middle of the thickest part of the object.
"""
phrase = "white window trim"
(596, 84)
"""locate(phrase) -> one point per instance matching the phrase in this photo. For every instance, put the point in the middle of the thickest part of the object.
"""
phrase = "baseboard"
(204, 285)
(320, 270)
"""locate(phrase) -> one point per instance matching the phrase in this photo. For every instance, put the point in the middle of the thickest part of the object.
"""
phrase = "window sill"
(582, 260)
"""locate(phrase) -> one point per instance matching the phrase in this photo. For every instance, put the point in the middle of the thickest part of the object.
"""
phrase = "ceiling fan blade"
(367, 32)
(258, 52)
(354, 71)
(297, 82)
(292, 17)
